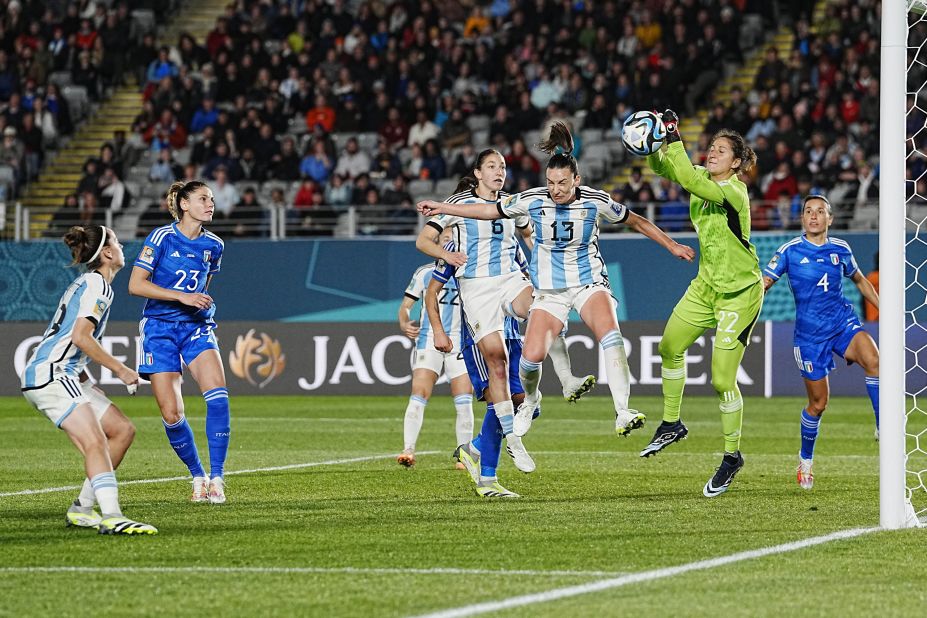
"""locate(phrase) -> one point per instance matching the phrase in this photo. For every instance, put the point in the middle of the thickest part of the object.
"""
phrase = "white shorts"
(435, 360)
(59, 398)
(485, 299)
(559, 302)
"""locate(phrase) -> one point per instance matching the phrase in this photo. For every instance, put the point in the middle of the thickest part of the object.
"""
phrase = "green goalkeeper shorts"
(734, 315)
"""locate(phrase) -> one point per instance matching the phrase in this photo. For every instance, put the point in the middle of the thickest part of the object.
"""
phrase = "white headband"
(100, 248)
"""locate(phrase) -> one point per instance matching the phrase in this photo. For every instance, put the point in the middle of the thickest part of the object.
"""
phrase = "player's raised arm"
(428, 242)
(468, 211)
(647, 227)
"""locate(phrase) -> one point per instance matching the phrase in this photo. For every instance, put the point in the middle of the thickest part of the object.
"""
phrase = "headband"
(100, 248)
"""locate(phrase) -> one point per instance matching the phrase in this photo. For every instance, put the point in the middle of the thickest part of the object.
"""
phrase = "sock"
(487, 479)
(412, 425)
(872, 387)
(560, 358)
(529, 373)
(464, 426)
(732, 416)
(86, 497)
(218, 429)
(616, 368)
(181, 438)
(107, 493)
(809, 433)
(489, 442)
(505, 412)
(674, 381)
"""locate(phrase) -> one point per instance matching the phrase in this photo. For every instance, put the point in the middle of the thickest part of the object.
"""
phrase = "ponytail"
(180, 190)
(86, 244)
(559, 143)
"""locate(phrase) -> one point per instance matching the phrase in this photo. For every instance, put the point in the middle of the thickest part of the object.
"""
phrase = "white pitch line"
(308, 570)
(311, 464)
(645, 576)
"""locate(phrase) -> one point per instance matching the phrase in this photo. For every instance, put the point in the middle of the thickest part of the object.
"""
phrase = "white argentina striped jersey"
(490, 245)
(566, 236)
(89, 296)
(448, 307)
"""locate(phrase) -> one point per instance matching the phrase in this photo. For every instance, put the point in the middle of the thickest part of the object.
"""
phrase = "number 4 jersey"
(816, 276)
(179, 263)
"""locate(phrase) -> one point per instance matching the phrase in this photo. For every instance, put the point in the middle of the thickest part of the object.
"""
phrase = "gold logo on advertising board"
(257, 358)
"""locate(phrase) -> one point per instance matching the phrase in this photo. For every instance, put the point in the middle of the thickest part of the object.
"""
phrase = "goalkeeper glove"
(671, 122)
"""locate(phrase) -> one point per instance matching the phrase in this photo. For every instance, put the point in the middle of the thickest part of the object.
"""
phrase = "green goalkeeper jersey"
(720, 212)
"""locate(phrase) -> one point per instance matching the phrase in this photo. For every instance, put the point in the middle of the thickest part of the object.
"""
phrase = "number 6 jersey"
(179, 263)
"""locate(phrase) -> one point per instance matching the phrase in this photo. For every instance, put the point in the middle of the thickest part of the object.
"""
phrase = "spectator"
(252, 168)
(66, 216)
(455, 132)
(167, 132)
(224, 192)
(423, 129)
(780, 181)
(112, 191)
(394, 131)
(247, 217)
(339, 193)
(206, 115)
(165, 169)
(224, 159)
(321, 114)
(285, 165)
(353, 161)
(316, 165)
(385, 163)
(397, 193)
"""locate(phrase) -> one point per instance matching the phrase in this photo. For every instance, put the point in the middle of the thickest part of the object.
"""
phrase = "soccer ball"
(643, 133)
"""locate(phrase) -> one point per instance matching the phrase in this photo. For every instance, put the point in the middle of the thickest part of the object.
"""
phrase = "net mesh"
(916, 261)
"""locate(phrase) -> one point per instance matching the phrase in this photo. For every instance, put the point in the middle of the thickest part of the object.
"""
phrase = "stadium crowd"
(315, 106)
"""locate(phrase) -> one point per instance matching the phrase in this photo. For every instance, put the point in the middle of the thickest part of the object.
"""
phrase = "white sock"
(86, 497)
(505, 411)
(464, 426)
(560, 357)
(616, 368)
(529, 373)
(107, 493)
(415, 414)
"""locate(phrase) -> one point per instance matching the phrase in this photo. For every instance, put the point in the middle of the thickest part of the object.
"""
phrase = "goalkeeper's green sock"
(674, 381)
(732, 416)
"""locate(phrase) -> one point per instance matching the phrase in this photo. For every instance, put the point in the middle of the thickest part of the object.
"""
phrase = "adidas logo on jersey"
(805, 260)
(175, 254)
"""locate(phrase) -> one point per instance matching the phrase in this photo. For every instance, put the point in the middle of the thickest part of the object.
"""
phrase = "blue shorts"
(479, 373)
(816, 360)
(165, 343)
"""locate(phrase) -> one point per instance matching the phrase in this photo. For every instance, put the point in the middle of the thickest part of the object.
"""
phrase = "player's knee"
(723, 384)
(93, 443)
(171, 414)
(668, 351)
(126, 431)
(817, 406)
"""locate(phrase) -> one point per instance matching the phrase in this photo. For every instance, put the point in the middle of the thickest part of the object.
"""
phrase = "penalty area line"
(168, 479)
(645, 576)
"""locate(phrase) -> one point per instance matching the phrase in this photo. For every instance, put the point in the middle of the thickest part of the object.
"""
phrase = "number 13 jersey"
(179, 263)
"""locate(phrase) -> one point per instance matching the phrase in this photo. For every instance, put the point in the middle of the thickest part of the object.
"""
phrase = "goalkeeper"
(726, 294)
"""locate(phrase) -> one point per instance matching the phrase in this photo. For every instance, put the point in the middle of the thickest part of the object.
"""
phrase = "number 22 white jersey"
(566, 236)
(490, 245)
(89, 296)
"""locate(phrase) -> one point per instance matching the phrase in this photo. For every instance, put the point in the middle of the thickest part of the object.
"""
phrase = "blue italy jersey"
(816, 277)
(448, 307)
(179, 263)
(89, 296)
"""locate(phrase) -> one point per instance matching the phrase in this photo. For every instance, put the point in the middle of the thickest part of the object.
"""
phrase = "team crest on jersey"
(147, 255)
(834, 259)
(206, 255)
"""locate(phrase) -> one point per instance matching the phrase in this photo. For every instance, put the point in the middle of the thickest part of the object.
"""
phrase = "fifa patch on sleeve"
(99, 308)
(147, 255)
(773, 261)
(509, 201)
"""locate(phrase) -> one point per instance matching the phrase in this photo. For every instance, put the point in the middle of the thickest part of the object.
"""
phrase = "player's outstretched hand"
(429, 207)
(671, 122)
(129, 377)
(683, 252)
(443, 342)
(455, 258)
(200, 301)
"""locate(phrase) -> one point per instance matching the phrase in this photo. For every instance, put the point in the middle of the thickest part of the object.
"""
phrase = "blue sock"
(872, 387)
(181, 438)
(809, 433)
(217, 428)
(490, 442)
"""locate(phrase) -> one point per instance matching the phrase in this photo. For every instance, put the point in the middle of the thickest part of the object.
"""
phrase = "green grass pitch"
(369, 538)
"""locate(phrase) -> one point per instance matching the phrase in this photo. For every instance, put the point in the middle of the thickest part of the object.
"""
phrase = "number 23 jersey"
(179, 263)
